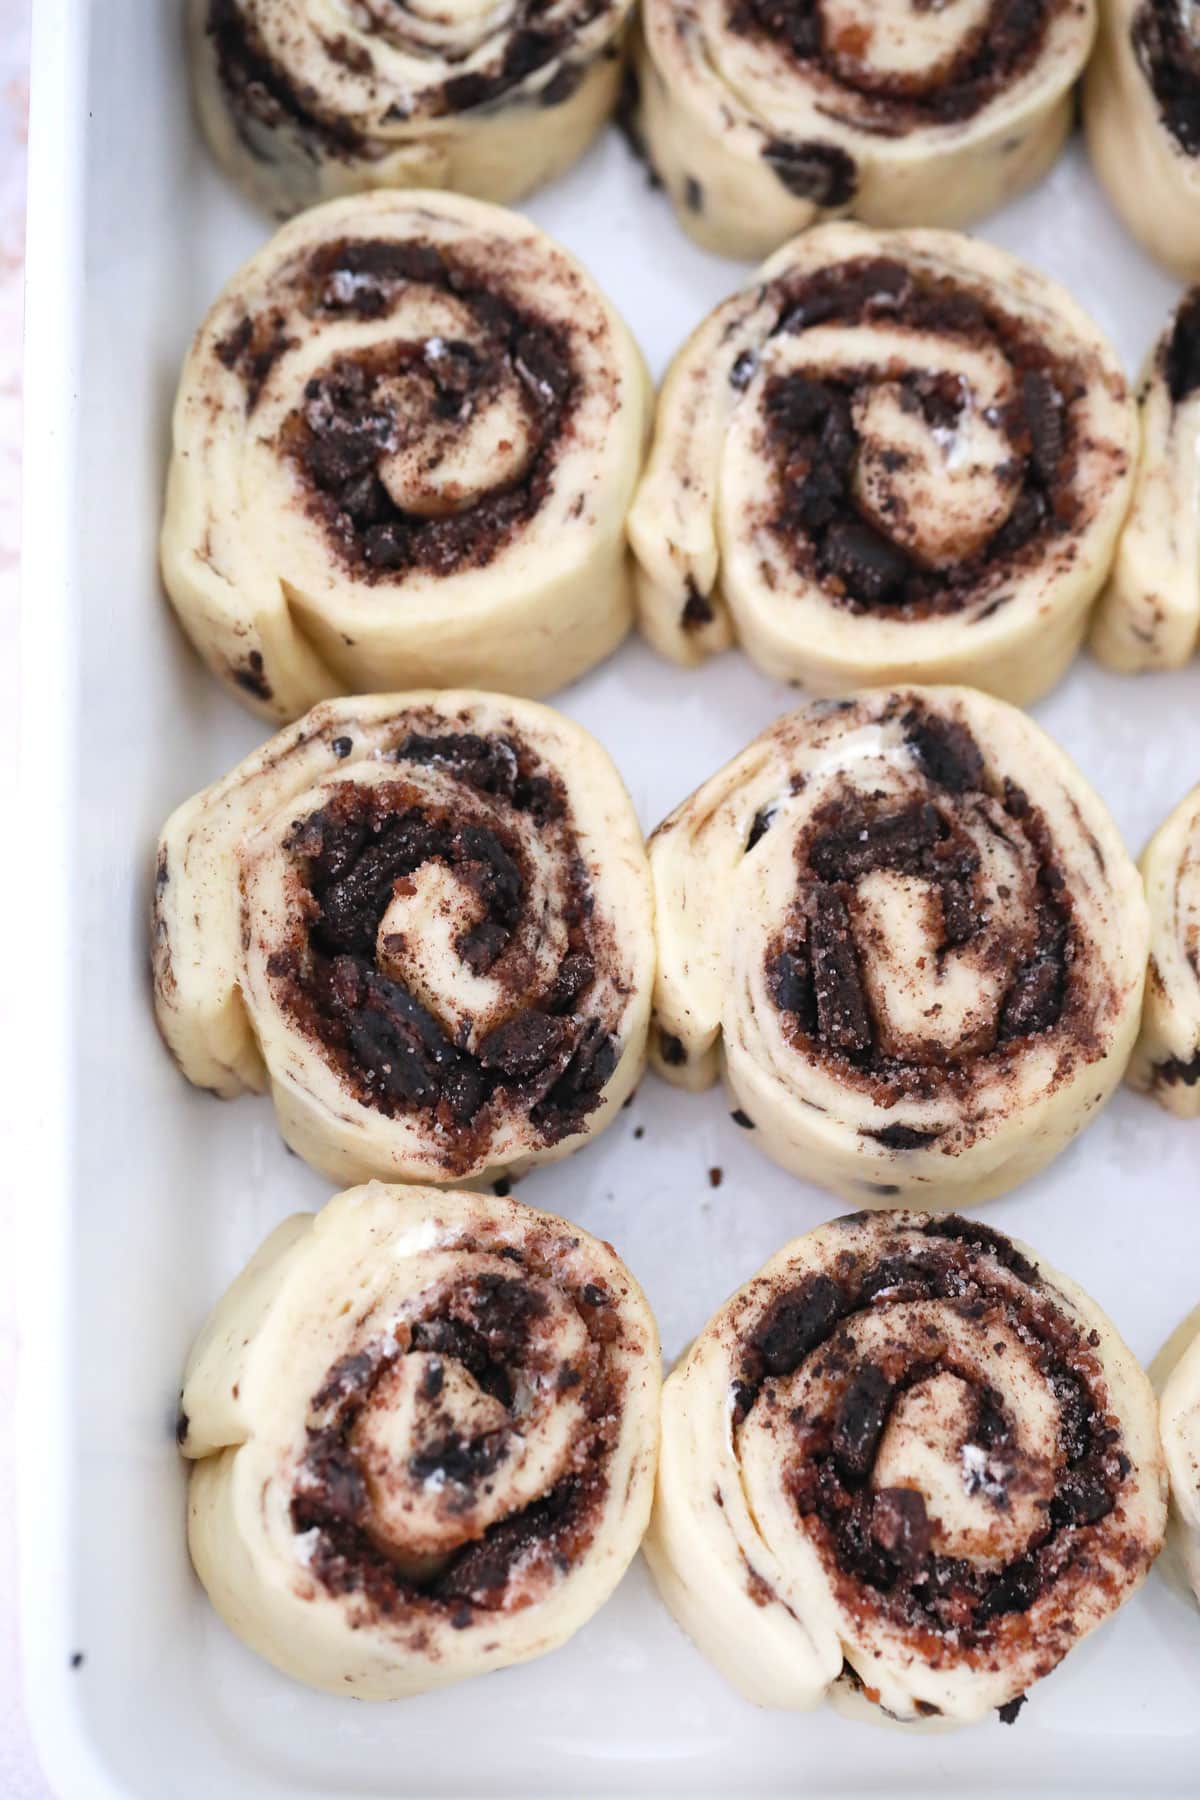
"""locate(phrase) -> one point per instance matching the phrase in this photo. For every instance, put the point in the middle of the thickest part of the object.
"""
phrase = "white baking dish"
(140, 1198)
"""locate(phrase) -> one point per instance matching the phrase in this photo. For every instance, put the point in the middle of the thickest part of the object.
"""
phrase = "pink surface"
(20, 1777)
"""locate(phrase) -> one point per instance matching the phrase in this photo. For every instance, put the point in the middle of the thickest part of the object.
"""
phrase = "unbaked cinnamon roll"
(1166, 1062)
(890, 456)
(423, 1428)
(405, 442)
(907, 1467)
(1178, 1368)
(424, 922)
(1149, 612)
(907, 930)
(1141, 112)
(306, 100)
(761, 116)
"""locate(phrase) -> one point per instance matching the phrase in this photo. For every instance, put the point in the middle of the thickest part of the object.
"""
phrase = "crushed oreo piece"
(823, 173)
(945, 750)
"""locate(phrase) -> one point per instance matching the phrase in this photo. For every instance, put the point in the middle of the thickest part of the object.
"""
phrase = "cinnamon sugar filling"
(555, 1047)
(262, 93)
(481, 1332)
(891, 103)
(819, 967)
(1170, 60)
(816, 432)
(379, 434)
(878, 1540)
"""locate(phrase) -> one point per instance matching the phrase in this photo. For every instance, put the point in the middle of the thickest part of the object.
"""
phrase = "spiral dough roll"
(1166, 1061)
(423, 921)
(424, 1428)
(1141, 112)
(762, 116)
(308, 100)
(405, 441)
(1149, 613)
(892, 456)
(907, 1466)
(910, 931)
(1179, 1423)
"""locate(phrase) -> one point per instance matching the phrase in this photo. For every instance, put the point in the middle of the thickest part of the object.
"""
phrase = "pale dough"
(866, 1327)
(925, 1075)
(1152, 177)
(1166, 1062)
(403, 97)
(720, 554)
(347, 1323)
(1149, 612)
(230, 903)
(275, 594)
(754, 144)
